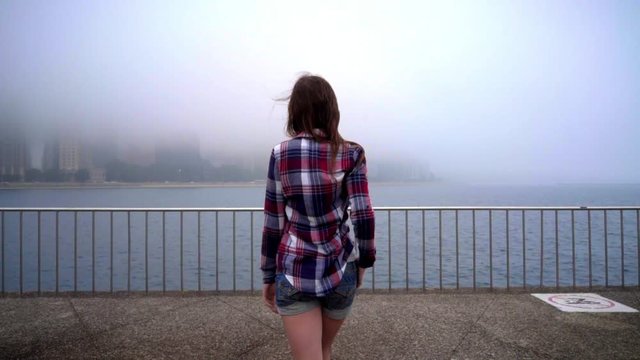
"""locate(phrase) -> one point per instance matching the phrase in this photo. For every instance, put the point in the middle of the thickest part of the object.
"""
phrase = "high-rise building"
(14, 154)
(50, 155)
(66, 154)
(69, 154)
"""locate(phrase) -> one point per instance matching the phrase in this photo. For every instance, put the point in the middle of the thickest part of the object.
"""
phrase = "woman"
(311, 265)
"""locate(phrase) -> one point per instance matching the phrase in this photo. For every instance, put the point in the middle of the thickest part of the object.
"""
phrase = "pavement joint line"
(256, 346)
(146, 319)
(84, 327)
(539, 353)
(468, 331)
(251, 316)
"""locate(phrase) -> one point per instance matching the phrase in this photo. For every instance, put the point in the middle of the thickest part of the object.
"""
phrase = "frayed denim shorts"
(336, 305)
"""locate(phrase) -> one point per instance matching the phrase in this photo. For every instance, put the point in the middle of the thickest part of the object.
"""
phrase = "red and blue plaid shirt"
(306, 235)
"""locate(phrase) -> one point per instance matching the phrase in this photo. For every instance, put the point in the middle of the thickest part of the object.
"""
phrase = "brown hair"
(313, 105)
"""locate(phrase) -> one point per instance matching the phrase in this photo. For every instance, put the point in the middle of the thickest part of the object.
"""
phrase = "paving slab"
(209, 329)
(254, 307)
(101, 314)
(521, 326)
(275, 349)
(29, 325)
(408, 326)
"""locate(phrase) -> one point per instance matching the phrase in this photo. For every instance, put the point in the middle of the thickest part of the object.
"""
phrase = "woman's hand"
(360, 276)
(269, 296)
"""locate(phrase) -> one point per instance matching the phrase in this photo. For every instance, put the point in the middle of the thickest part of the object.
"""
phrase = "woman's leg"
(305, 335)
(330, 328)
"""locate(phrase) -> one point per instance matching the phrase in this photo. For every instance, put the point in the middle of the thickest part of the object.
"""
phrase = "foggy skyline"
(493, 92)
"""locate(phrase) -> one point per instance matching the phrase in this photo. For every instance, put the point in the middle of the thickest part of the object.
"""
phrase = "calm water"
(212, 245)
(430, 194)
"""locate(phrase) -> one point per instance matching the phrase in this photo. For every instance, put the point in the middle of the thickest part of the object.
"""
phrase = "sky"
(478, 91)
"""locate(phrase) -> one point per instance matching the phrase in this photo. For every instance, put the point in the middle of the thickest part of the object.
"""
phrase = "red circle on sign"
(602, 303)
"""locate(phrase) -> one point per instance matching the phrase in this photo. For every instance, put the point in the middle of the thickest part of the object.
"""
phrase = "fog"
(500, 91)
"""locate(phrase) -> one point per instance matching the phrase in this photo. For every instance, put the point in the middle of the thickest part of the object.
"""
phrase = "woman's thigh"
(304, 333)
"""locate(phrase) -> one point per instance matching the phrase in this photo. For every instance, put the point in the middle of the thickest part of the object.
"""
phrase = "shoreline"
(118, 185)
(56, 186)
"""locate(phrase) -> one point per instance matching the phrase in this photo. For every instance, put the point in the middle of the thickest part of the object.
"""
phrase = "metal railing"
(96, 250)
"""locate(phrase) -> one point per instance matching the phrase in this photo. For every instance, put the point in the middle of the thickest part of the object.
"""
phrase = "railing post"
(606, 251)
(128, 251)
(93, 252)
(457, 255)
(217, 253)
(506, 215)
(3, 250)
(491, 249)
(182, 252)
(541, 248)
(389, 247)
(557, 253)
(111, 257)
(424, 255)
(524, 253)
(573, 247)
(473, 221)
(146, 252)
(251, 247)
(440, 244)
(199, 261)
(39, 251)
(57, 252)
(590, 260)
(622, 247)
(406, 249)
(75, 251)
(21, 214)
(233, 227)
(164, 254)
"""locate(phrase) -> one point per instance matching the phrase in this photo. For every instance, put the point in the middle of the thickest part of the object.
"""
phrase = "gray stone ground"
(382, 326)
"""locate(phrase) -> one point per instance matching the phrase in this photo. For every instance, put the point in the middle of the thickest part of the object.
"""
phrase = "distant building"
(14, 156)
(66, 154)
(97, 175)
(50, 155)
(69, 154)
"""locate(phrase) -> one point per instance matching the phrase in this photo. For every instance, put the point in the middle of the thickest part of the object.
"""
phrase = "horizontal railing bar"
(185, 209)
(379, 208)
(435, 208)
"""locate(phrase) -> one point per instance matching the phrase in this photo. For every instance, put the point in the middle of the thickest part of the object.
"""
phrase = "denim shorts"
(336, 305)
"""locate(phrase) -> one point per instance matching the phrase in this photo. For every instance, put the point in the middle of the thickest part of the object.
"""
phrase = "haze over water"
(498, 92)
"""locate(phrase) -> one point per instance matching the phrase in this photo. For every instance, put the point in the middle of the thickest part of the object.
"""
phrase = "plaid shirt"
(305, 234)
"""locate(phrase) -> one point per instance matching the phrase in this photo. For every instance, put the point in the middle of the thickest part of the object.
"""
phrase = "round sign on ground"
(581, 301)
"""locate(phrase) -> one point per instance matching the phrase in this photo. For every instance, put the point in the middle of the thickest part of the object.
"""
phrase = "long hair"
(313, 105)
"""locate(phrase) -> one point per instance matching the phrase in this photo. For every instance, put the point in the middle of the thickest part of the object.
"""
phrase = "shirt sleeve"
(274, 220)
(362, 216)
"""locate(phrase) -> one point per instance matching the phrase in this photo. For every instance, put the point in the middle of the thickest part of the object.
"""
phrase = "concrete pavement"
(451, 325)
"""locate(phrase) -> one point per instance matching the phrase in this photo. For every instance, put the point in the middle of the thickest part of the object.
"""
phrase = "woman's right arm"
(362, 216)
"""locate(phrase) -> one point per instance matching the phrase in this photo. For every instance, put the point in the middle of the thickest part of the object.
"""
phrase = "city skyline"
(65, 154)
(525, 92)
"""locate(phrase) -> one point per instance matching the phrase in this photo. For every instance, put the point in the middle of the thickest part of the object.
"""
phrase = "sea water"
(195, 250)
